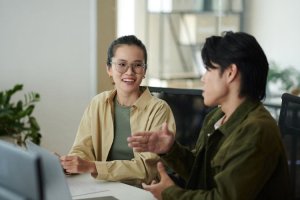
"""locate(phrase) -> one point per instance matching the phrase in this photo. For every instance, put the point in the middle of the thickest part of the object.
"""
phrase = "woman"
(100, 146)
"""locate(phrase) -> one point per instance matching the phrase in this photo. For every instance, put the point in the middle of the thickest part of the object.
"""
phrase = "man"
(239, 154)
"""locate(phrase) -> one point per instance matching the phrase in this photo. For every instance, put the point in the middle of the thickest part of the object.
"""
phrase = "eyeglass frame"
(132, 65)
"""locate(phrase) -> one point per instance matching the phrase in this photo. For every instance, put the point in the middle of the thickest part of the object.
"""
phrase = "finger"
(134, 141)
(165, 127)
(138, 139)
(130, 139)
(141, 145)
(135, 144)
(70, 171)
(161, 170)
(146, 187)
(142, 133)
(135, 147)
(74, 169)
(138, 135)
(64, 158)
(67, 158)
(139, 149)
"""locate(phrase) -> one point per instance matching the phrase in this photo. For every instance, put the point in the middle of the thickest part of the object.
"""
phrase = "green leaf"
(34, 123)
(29, 110)
(9, 93)
(19, 105)
(15, 118)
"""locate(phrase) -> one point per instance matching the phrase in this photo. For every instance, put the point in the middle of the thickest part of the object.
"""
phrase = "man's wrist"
(170, 150)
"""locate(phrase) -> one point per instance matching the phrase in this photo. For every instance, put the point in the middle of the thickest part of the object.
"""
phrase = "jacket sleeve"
(83, 144)
(241, 173)
(180, 159)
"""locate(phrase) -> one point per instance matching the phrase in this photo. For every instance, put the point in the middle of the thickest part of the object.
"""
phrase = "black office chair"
(189, 111)
(289, 124)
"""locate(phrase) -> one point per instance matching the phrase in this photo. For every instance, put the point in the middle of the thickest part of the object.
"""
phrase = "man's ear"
(232, 72)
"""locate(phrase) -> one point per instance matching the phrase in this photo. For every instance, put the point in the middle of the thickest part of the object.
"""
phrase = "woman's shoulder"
(103, 95)
(155, 99)
(101, 99)
(148, 100)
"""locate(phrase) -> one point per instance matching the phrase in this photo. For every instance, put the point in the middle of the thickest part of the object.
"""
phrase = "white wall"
(49, 46)
(275, 23)
(125, 17)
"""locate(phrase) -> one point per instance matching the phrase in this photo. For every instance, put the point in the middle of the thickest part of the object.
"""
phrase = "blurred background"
(58, 48)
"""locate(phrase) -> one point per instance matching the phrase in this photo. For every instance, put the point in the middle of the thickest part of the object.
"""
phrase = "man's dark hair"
(125, 40)
(245, 52)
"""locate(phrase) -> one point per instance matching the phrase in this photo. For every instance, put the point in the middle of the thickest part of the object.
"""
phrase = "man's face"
(215, 88)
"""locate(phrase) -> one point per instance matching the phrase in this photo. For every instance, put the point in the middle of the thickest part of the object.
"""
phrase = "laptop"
(20, 173)
(54, 182)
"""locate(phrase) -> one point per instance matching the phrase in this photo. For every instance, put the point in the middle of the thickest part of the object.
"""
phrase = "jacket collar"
(237, 116)
(141, 103)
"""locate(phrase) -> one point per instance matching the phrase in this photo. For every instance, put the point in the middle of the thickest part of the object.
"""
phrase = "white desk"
(84, 186)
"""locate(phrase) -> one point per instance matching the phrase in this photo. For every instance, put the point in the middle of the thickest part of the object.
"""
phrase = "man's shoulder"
(261, 116)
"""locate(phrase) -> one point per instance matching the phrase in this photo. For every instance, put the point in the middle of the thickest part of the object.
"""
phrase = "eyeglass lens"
(122, 67)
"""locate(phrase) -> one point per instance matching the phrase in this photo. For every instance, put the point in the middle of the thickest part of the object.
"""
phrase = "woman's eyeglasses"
(122, 67)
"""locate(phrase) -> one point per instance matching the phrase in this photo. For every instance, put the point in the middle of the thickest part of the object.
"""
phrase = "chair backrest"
(289, 124)
(289, 118)
(189, 111)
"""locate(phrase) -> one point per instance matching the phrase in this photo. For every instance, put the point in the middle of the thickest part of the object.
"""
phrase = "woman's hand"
(75, 164)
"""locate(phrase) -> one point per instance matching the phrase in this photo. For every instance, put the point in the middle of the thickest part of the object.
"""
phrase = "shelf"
(214, 13)
(176, 37)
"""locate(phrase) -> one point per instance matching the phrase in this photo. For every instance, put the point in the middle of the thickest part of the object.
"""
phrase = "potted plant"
(16, 120)
(287, 79)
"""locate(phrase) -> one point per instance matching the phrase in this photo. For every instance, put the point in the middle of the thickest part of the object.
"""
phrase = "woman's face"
(130, 57)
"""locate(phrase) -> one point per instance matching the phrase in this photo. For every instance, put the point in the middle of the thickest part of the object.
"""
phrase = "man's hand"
(74, 164)
(165, 182)
(159, 142)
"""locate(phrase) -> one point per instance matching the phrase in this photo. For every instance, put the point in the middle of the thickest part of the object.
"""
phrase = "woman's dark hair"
(125, 40)
(245, 52)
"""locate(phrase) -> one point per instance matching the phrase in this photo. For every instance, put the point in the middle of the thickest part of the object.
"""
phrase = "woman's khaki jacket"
(96, 133)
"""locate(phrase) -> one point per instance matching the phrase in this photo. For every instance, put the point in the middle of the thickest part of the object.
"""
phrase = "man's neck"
(230, 106)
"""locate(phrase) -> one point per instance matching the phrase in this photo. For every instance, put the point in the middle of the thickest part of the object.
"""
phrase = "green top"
(122, 130)
(243, 159)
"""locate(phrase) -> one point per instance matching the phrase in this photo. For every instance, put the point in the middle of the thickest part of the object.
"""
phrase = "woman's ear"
(145, 73)
(109, 70)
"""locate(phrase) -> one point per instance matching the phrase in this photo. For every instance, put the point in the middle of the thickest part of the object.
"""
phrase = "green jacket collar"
(236, 118)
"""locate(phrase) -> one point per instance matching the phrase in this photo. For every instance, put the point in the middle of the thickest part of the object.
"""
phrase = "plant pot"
(12, 140)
